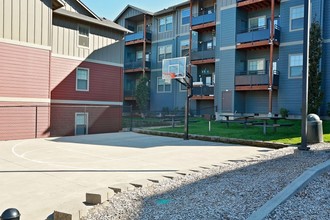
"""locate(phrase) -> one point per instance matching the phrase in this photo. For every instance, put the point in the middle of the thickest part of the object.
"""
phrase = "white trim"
(25, 44)
(289, 66)
(326, 41)
(89, 39)
(84, 102)
(290, 19)
(228, 7)
(158, 27)
(86, 116)
(228, 48)
(20, 99)
(292, 43)
(165, 46)
(88, 60)
(82, 90)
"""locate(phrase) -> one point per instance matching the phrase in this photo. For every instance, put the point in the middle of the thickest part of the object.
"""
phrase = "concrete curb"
(290, 190)
(266, 144)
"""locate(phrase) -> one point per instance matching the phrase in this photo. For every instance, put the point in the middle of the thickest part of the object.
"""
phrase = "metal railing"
(138, 36)
(258, 34)
(204, 90)
(259, 77)
(200, 54)
(204, 16)
(136, 65)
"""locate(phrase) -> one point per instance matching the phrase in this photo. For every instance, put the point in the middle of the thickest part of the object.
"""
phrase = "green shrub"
(284, 112)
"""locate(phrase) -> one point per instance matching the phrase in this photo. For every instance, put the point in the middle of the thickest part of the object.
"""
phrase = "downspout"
(144, 45)
(270, 85)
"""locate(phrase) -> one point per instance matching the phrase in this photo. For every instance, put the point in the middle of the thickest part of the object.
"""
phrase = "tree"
(315, 94)
(142, 94)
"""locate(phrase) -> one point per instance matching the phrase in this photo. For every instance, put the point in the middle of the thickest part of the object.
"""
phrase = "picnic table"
(237, 118)
(173, 118)
(266, 125)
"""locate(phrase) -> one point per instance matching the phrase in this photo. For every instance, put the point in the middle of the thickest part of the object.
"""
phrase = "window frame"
(290, 18)
(88, 78)
(264, 65)
(86, 118)
(165, 24)
(164, 90)
(88, 28)
(289, 65)
(181, 43)
(257, 28)
(182, 10)
(165, 52)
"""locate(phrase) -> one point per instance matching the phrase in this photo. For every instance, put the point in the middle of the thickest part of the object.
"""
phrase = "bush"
(328, 109)
(284, 112)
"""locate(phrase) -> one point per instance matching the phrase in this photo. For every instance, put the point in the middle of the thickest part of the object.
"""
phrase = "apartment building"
(238, 61)
(61, 70)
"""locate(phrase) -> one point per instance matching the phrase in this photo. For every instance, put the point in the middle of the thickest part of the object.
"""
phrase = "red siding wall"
(105, 81)
(101, 119)
(24, 122)
(24, 71)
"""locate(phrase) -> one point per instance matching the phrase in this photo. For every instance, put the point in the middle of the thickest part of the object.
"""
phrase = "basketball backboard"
(174, 68)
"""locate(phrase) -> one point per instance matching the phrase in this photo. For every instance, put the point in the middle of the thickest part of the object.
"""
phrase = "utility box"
(314, 129)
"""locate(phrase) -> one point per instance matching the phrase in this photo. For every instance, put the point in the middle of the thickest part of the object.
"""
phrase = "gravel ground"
(230, 191)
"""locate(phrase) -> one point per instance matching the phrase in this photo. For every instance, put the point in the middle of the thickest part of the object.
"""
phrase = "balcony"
(136, 66)
(129, 95)
(203, 92)
(137, 38)
(204, 19)
(257, 37)
(204, 54)
(252, 5)
(255, 80)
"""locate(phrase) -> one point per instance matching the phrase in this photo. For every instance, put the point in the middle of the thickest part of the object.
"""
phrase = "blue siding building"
(238, 63)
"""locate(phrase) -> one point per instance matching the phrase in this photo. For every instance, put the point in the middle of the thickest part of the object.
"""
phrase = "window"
(295, 65)
(166, 24)
(139, 55)
(257, 23)
(184, 47)
(83, 39)
(164, 52)
(139, 28)
(185, 16)
(256, 66)
(162, 87)
(82, 79)
(81, 123)
(297, 18)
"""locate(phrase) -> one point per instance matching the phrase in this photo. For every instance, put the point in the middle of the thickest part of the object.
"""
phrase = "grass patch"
(286, 135)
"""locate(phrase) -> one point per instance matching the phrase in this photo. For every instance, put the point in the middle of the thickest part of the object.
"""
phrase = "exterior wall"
(103, 44)
(24, 84)
(101, 119)
(24, 76)
(105, 82)
(26, 21)
(130, 12)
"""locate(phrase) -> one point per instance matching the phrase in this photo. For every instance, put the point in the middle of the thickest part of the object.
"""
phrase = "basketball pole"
(189, 85)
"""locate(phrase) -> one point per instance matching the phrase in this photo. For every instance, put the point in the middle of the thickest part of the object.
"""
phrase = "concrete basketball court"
(39, 176)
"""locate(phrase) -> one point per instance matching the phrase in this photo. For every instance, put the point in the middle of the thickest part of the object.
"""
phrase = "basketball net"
(167, 77)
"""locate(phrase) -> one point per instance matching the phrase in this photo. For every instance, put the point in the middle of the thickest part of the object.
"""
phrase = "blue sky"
(111, 8)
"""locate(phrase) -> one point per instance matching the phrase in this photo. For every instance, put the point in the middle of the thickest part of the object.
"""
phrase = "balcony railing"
(252, 78)
(137, 36)
(204, 90)
(136, 65)
(206, 16)
(203, 54)
(258, 34)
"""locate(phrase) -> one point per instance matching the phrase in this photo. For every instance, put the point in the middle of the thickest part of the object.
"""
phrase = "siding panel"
(28, 76)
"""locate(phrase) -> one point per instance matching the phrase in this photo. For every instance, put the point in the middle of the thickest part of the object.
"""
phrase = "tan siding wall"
(104, 43)
(26, 21)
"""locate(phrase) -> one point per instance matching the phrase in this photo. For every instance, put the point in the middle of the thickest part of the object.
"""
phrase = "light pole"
(304, 107)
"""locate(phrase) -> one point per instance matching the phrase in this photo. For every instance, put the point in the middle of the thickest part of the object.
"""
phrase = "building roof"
(133, 7)
(102, 22)
(87, 9)
(171, 8)
(57, 4)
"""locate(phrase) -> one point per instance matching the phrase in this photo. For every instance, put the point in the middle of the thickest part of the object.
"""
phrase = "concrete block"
(157, 179)
(69, 215)
(98, 196)
(184, 172)
(172, 175)
(141, 183)
(122, 187)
